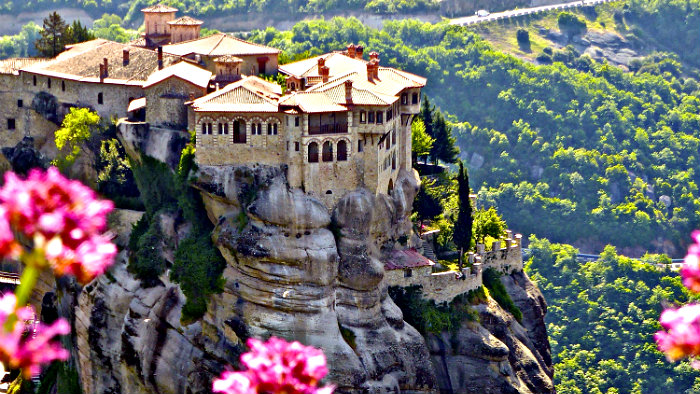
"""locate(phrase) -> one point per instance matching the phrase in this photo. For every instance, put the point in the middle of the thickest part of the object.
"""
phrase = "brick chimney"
(325, 72)
(374, 55)
(102, 72)
(375, 68)
(370, 71)
(321, 63)
(348, 91)
(160, 57)
(351, 50)
(106, 67)
(125, 57)
(358, 51)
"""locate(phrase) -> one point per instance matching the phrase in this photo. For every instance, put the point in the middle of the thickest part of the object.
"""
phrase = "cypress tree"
(444, 146)
(463, 227)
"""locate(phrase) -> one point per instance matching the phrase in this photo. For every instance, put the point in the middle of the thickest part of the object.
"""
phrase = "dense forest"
(131, 8)
(576, 151)
(601, 320)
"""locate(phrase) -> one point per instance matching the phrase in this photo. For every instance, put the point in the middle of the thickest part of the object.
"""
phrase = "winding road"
(471, 20)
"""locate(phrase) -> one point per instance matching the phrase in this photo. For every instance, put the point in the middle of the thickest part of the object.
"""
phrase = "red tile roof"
(250, 94)
(159, 8)
(182, 70)
(186, 21)
(408, 258)
(218, 45)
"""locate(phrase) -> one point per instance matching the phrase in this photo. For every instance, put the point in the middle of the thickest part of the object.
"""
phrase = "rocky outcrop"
(297, 270)
(497, 354)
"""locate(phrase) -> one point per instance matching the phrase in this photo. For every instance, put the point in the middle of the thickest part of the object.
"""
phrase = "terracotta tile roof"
(186, 21)
(246, 95)
(159, 8)
(182, 70)
(362, 94)
(218, 45)
(336, 62)
(312, 102)
(12, 66)
(390, 82)
(82, 63)
(409, 258)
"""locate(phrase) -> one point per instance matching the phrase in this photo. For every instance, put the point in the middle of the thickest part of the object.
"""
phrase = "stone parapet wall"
(505, 257)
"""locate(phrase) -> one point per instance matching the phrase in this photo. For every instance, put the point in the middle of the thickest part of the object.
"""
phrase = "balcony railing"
(328, 129)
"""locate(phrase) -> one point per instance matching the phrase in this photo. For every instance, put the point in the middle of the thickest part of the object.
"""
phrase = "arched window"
(239, 132)
(393, 161)
(100, 99)
(327, 151)
(293, 86)
(342, 150)
(390, 189)
(404, 98)
(48, 83)
(393, 137)
(34, 80)
(313, 152)
(63, 86)
(221, 128)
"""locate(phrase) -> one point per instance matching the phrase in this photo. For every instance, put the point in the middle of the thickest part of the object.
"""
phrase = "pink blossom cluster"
(62, 216)
(681, 337)
(691, 267)
(276, 366)
(27, 346)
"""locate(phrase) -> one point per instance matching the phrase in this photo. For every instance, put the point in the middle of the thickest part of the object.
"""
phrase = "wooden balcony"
(340, 128)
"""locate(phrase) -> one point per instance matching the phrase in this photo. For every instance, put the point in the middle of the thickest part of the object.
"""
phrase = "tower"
(156, 19)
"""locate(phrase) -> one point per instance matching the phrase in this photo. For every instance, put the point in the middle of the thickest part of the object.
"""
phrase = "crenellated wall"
(505, 257)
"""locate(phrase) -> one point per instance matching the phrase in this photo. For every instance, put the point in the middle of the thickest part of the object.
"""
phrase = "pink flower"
(277, 366)
(19, 348)
(64, 216)
(681, 335)
(691, 269)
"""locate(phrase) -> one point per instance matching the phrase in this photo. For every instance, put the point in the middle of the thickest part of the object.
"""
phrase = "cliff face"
(298, 270)
(497, 354)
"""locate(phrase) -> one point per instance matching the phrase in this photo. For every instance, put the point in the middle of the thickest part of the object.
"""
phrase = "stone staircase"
(428, 241)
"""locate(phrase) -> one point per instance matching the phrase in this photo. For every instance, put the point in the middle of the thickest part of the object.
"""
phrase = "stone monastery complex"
(342, 121)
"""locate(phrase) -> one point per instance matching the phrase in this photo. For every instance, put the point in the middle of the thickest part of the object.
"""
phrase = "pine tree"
(78, 33)
(426, 114)
(53, 37)
(444, 146)
(462, 235)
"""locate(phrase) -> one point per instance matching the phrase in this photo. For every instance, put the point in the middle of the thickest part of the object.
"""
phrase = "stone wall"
(165, 102)
(439, 287)
(115, 97)
(505, 257)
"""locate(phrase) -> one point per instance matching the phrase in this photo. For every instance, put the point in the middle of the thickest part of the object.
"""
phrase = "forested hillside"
(577, 151)
(601, 320)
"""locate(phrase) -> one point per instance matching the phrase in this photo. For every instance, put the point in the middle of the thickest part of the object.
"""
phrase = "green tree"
(444, 147)
(421, 142)
(77, 127)
(426, 115)
(462, 235)
(78, 33)
(488, 223)
(426, 206)
(53, 36)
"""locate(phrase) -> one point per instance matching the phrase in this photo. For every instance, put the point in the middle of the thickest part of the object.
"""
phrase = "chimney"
(375, 68)
(348, 91)
(358, 52)
(160, 57)
(370, 71)
(125, 57)
(321, 63)
(351, 50)
(373, 56)
(325, 72)
(217, 86)
(106, 67)
(102, 72)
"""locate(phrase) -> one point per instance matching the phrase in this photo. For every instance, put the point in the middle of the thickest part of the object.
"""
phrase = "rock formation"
(298, 270)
